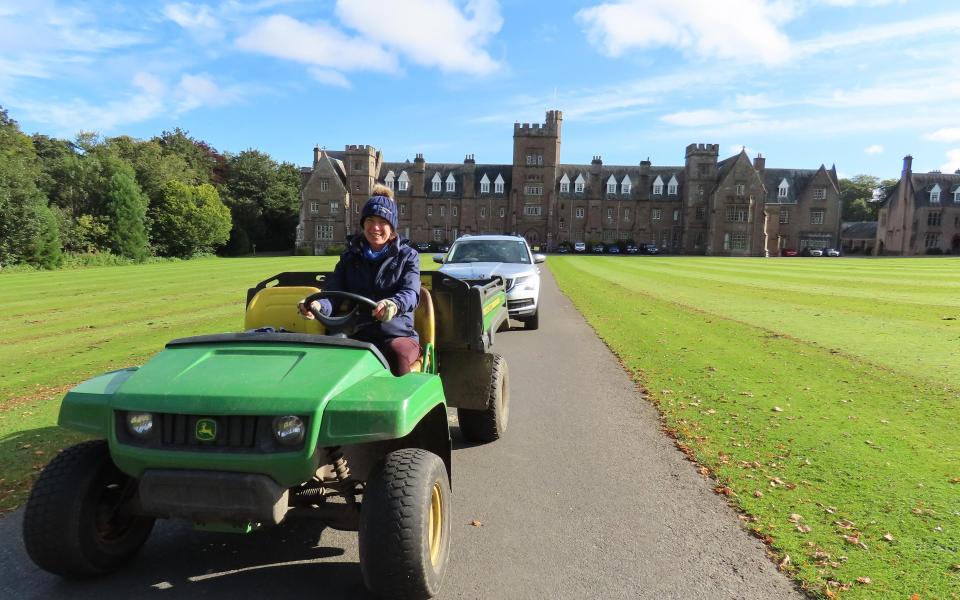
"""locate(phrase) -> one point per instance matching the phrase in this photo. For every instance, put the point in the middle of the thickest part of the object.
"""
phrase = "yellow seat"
(425, 324)
(277, 307)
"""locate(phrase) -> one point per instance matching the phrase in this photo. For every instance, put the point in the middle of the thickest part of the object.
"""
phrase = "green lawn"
(822, 395)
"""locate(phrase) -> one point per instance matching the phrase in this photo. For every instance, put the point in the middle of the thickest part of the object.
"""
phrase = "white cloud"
(850, 3)
(318, 45)
(429, 32)
(948, 134)
(953, 161)
(874, 149)
(329, 77)
(742, 30)
(706, 118)
(190, 16)
(898, 31)
(195, 91)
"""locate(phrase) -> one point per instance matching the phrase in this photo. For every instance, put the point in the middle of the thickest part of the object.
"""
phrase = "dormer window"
(741, 189)
(611, 185)
(672, 186)
(388, 180)
(935, 194)
(578, 184)
(498, 184)
(437, 182)
(403, 182)
(451, 183)
(626, 185)
(956, 196)
(658, 186)
(485, 184)
(564, 184)
(782, 189)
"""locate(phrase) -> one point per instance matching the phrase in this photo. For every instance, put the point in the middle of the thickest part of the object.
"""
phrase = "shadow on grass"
(23, 454)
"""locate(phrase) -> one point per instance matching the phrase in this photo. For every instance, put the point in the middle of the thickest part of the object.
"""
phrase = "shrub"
(334, 250)
(303, 251)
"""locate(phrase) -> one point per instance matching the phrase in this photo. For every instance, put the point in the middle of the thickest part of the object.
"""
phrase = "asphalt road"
(584, 498)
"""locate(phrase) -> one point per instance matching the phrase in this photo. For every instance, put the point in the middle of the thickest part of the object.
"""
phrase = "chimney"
(759, 163)
(596, 164)
(907, 165)
(418, 163)
(316, 155)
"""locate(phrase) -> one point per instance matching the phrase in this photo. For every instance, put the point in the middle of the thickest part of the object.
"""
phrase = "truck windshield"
(488, 251)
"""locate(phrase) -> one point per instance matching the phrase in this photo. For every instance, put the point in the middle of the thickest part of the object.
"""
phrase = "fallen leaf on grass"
(888, 537)
(476, 523)
(845, 524)
(795, 518)
(758, 494)
(776, 409)
(864, 580)
(723, 490)
(784, 563)
(803, 528)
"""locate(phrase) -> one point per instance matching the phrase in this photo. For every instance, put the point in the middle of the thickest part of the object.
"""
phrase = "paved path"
(583, 498)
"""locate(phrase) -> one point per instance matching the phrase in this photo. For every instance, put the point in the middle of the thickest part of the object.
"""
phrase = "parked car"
(632, 249)
(597, 249)
(649, 249)
(483, 256)
(579, 247)
(563, 249)
(788, 252)
(831, 252)
(443, 247)
(613, 249)
(816, 252)
(423, 246)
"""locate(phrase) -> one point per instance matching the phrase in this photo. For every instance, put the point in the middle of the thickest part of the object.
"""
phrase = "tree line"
(169, 196)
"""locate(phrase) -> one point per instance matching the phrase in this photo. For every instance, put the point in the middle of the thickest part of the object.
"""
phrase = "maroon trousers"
(400, 352)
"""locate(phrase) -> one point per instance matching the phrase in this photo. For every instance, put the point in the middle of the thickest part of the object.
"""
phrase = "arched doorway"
(533, 237)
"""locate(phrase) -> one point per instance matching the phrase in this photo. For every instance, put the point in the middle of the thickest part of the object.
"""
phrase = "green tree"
(28, 229)
(189, 219)
(857, 197)
(125, 209)
(264, 198)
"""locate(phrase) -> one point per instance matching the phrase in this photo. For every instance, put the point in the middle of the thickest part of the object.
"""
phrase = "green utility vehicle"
(291, 418)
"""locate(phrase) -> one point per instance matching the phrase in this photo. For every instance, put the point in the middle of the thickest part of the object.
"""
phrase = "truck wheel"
(488, 425)
(533, 321)
(405, 525)
(76, 522)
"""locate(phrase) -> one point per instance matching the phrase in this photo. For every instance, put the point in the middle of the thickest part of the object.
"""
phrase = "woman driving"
(385, 268)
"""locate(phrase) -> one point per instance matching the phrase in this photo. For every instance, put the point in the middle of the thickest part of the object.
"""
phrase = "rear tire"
(405, 525)
(489, 424)
(75, 524)
(532, 323)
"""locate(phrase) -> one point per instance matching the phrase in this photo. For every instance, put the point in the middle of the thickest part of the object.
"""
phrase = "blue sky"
(858, 83)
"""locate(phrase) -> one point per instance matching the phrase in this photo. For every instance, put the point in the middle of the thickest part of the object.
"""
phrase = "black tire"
(74, 524)
(490, 424)
(532, 322)
(405, 525)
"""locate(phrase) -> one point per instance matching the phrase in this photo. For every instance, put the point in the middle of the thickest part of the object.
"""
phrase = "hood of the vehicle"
(483, 270)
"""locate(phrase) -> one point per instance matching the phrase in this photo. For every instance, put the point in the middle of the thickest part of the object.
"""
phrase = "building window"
(501, 212)
(531, 211)
(741, 190)
(737, 214)
(611, 188)
(735, 241)
(483, 212)
(455, 211)
(657, 188)
(314, 207)
(451, 186)
(443, 211)
(956, 197)
(357, 165)
(816, 217)
(564, 186)
(933, 218)
(609, 213)
(626, 214)
(334, 208)
(820, 193)
(701, 213)
(403, 209)
(625, 188)
(356, 208)
(656, 214)
(437, 235)
(403, 185)
(672, 188)
(932, 240)
(389, 183)
(436, 186)
(703, 169)
(563, 225)
(324, 185)
(533, 189)
(579, 213)
(498, 187)
(429, 211)
(783, 189)
(324, 231)
(484, 187)
(784, 216)
(579, 187)
(935, 196)
(698, 241)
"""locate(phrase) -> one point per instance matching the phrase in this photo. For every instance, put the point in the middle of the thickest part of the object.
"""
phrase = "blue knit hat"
(380, 206)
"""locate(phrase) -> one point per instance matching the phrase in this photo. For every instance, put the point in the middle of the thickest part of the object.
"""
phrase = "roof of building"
(859, 230)
(923, 184)
(797, 182)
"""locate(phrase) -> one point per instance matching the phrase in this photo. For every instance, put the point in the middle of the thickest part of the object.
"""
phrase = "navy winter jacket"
(396, 276)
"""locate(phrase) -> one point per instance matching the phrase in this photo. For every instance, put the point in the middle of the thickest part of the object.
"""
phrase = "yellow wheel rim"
(435, 529)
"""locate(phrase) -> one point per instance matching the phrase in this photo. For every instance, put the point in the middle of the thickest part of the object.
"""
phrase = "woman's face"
(377, 231)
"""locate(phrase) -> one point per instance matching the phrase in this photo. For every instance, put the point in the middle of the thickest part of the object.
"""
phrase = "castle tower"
(362, 163)
(536, 156)
(700, 176)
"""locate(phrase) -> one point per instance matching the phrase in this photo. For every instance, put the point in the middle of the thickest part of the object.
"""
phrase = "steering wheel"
(344, 322)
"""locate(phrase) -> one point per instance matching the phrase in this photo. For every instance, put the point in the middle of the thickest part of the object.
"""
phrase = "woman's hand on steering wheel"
(339, 324)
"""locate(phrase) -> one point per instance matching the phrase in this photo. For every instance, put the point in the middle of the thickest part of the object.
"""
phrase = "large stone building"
(732, 207)
(921, 215)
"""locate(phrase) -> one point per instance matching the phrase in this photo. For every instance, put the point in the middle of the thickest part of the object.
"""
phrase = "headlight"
(520, 280)
(289, 430)
(140, 424)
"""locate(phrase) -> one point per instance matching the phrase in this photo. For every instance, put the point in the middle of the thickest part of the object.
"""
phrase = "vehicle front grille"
(514, 304)
(232, 432)
(508, 283)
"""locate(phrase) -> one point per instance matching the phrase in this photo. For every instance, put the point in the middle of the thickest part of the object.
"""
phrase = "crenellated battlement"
(703, 149)
(366, 148)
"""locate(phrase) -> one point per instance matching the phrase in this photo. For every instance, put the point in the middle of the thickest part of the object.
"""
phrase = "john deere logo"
(206, 430)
